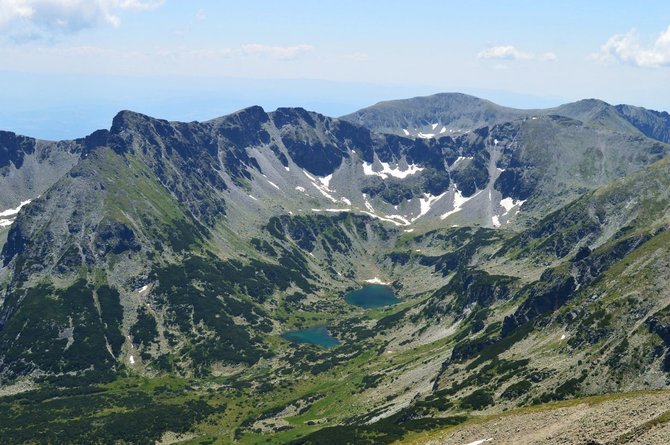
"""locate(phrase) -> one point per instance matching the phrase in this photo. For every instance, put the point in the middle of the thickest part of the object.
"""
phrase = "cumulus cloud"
(627, 48)
(276, 52)
(41, 18)
(509, 52)
(503, 53)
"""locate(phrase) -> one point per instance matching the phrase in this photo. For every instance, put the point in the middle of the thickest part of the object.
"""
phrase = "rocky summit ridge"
(528, 250)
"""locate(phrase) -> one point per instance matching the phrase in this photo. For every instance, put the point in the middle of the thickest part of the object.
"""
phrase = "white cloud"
(627, 48)
(201, 14)
(276, 52)
(509, 52)
(503, 52)
(41, 18)
(141, 5)
(13, 10)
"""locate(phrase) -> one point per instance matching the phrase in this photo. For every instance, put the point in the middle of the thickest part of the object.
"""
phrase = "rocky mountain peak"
(520, 244)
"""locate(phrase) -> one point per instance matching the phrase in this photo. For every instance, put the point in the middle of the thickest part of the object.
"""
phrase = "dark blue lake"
(372, 296)
(317, 335)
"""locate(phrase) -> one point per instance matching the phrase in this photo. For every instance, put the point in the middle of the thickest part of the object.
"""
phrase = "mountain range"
(153, 270)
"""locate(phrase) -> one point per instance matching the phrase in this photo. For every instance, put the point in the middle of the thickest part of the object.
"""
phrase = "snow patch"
(563, 337)
(400, 218)
(345, 200)
(143, 288)
(495, 221)
(287, 169)
(323, 187)
(382, 218)
(426, 203)
(326, 180)
(388, 171)
(509, 203)
(131, 359)
(300, 189)
(12, 212)
(480, 441)
(376, 280)
(255, 199)
(310, 177)
(495, 142)
(404, 130)
(433, 126)
(408, 230)
(367, 203)
(274, 185)
(443, 130)
(462, 158)
(426, 135)
(459, 201)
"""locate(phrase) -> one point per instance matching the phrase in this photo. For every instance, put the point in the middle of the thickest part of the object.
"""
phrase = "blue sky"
(67, 66)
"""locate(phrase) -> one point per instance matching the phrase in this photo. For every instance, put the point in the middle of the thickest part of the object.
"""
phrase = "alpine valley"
(434, 270)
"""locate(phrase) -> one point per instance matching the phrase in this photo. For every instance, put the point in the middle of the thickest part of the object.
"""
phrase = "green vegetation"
(477, 400)
(111, 315)
(517, 389)
(557, 305)
(98, 414)
(386, 431)
(60, 331)
(144, 331)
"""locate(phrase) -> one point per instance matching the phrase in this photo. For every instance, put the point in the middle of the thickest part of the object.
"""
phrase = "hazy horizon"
(69, 66)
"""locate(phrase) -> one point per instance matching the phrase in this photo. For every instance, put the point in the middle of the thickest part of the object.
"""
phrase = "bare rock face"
(529, 250)
(28, 167)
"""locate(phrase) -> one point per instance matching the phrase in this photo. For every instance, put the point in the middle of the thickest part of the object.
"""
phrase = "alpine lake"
(372, 296)
(369, 297)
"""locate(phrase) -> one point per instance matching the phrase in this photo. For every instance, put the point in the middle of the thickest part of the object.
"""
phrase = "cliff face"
(528, 249)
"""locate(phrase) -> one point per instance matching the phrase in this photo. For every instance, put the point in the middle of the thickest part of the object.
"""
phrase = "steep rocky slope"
(529, 252)
(28, 167)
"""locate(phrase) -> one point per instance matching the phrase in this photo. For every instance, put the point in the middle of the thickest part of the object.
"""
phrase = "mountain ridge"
(528, 257)
(387, 116)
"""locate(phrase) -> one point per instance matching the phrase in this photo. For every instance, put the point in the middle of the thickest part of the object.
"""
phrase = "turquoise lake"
(317, 335)
(372, 296)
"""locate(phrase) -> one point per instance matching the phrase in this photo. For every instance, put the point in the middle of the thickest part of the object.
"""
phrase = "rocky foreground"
(639, 418)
